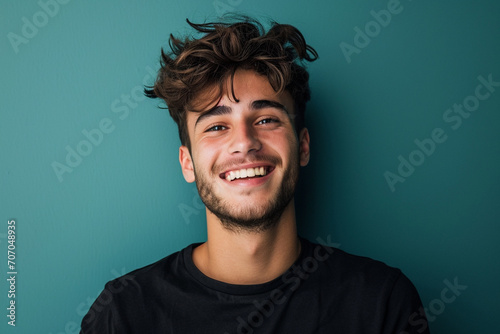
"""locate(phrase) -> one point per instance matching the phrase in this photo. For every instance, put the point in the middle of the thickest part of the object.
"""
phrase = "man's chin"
(245, 215)
(249, 218)
(248, 224)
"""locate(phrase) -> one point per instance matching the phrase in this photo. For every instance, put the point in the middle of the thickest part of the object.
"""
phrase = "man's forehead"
(231, 87)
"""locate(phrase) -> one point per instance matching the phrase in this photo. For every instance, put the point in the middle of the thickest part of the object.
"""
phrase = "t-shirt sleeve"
(405, 313)
(103, 316)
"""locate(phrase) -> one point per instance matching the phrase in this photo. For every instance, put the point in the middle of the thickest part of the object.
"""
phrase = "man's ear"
(186, 164)
(305, 152)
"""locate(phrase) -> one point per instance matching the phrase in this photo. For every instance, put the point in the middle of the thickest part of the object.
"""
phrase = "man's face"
(245, 155)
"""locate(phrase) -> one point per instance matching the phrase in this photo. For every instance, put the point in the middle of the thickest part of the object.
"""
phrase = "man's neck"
(248, 257)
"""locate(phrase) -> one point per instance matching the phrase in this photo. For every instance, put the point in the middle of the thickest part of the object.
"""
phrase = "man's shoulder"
(361, 263)
(127, 301)
(151, 276)
(360, 278)
(346, 259)
(355, 288)
(345, 268)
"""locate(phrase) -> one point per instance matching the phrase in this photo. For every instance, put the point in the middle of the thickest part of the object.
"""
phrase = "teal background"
(126, 204)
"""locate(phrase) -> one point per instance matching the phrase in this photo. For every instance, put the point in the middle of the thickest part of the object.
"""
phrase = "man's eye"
(216, 128)
(268, 120)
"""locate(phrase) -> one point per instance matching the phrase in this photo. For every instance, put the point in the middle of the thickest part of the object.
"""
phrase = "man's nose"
(244, 139)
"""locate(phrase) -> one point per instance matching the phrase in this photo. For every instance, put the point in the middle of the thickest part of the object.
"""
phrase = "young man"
(238, 95)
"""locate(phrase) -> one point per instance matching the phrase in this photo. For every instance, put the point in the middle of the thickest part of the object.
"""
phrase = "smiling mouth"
(246, 173)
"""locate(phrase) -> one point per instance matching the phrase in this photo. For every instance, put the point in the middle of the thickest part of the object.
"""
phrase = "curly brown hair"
(193, 65)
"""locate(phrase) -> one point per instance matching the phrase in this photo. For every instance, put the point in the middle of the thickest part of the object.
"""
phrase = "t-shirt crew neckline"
(237, 289)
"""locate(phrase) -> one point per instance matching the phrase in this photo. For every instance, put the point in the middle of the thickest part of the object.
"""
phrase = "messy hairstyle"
(193, 65)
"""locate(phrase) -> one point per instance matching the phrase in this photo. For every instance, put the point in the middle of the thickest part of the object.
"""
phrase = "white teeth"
(243, 173)
(246, 172)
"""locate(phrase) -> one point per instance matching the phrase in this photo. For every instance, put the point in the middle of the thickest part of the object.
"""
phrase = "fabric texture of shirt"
(326, 290)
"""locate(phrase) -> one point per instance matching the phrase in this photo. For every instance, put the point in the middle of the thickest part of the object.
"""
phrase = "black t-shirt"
(325, 291)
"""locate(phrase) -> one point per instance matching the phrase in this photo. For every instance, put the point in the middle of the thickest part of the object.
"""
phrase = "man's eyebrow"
(262, 104)
(215, 111)
(256, 105)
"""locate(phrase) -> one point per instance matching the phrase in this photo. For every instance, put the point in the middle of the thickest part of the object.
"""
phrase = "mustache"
(257, 158)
